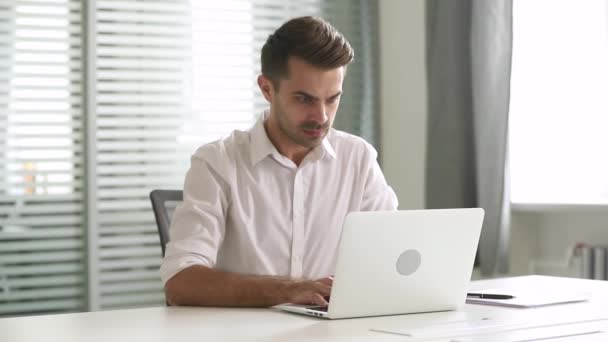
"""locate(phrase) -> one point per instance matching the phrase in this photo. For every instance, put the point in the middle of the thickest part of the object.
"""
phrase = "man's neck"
(286, 147)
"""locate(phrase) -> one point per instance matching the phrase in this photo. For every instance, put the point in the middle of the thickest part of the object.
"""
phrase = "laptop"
(401, 262)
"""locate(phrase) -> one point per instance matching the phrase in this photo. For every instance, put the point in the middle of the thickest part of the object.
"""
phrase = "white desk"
(220, 324)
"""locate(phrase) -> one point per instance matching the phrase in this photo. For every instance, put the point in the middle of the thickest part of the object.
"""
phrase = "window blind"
(142, 63)
(41, 159)
(162, 78)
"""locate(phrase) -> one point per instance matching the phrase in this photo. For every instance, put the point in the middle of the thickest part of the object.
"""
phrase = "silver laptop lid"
(397, 262)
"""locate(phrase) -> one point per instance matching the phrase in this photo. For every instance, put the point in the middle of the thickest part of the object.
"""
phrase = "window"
(84, 141)
(559, 107)
(41, 157)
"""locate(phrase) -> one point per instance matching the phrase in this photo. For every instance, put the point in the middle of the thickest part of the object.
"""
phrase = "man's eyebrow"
(336, 95)
(303, 93)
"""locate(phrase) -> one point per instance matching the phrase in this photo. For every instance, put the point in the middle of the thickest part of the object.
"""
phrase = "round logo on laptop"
(408, 262)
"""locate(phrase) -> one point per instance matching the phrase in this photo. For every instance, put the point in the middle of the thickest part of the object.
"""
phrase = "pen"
(489, 296)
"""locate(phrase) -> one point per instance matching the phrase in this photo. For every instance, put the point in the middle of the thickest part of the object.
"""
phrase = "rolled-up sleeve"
(198, 223)
(377, 194)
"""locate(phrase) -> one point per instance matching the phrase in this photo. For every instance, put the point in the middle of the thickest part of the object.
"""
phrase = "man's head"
(303, 67)
(311, 39)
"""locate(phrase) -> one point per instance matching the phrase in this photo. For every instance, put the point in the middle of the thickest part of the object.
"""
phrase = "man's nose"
(320, 113)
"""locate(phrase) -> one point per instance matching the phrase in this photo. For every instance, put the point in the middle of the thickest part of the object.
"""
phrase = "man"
(263, 209)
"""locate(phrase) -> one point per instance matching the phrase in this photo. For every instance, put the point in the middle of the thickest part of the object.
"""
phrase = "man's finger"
(322, 289)
(319, 300)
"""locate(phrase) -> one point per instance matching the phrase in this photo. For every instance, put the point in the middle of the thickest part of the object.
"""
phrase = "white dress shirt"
(248, 209)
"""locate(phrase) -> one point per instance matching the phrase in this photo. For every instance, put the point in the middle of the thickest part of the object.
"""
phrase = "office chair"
(164, 203)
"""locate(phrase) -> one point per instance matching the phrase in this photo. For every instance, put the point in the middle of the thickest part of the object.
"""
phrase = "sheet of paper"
(530, 298)
(579, 333)
(476, 329)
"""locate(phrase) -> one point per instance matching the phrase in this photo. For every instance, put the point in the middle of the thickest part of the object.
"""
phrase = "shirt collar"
(261, 146)
(329, 150)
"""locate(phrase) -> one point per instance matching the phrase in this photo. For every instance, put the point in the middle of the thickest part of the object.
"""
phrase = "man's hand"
(310, 291)
(200, 285)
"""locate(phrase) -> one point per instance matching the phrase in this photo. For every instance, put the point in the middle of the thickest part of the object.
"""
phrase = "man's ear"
(266, 87)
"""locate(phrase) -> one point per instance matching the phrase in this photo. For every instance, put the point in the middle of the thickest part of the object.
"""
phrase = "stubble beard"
(308, 142)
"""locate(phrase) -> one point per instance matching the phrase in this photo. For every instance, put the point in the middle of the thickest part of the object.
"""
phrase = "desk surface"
(225, 324)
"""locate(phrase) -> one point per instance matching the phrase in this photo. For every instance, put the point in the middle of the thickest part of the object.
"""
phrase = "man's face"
(306, 102)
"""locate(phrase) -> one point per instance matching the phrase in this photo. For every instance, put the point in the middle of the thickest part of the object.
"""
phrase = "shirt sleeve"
(198, 223)
(377, 194)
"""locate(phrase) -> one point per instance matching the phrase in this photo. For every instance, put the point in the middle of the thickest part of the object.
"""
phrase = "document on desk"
(477, 330)
(530, 297)
(570, 334)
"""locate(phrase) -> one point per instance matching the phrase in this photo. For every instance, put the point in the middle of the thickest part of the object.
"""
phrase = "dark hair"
(311, 38)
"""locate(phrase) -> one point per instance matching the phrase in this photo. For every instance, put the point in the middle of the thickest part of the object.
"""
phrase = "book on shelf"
(593, 261)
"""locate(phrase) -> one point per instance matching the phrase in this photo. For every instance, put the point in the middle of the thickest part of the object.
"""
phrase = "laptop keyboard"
(318, 308)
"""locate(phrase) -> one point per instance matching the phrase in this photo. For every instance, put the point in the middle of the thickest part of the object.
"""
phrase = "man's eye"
(333, 99)
(304, 99)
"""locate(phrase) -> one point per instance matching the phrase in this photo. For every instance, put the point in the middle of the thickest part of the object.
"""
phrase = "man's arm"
(378, 195)
(197, 232)
(203, 286)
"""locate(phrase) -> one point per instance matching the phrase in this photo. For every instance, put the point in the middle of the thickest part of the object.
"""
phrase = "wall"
(403, 108)
(541, 237)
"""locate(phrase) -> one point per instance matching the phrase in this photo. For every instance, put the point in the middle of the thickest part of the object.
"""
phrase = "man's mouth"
(313, 133)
